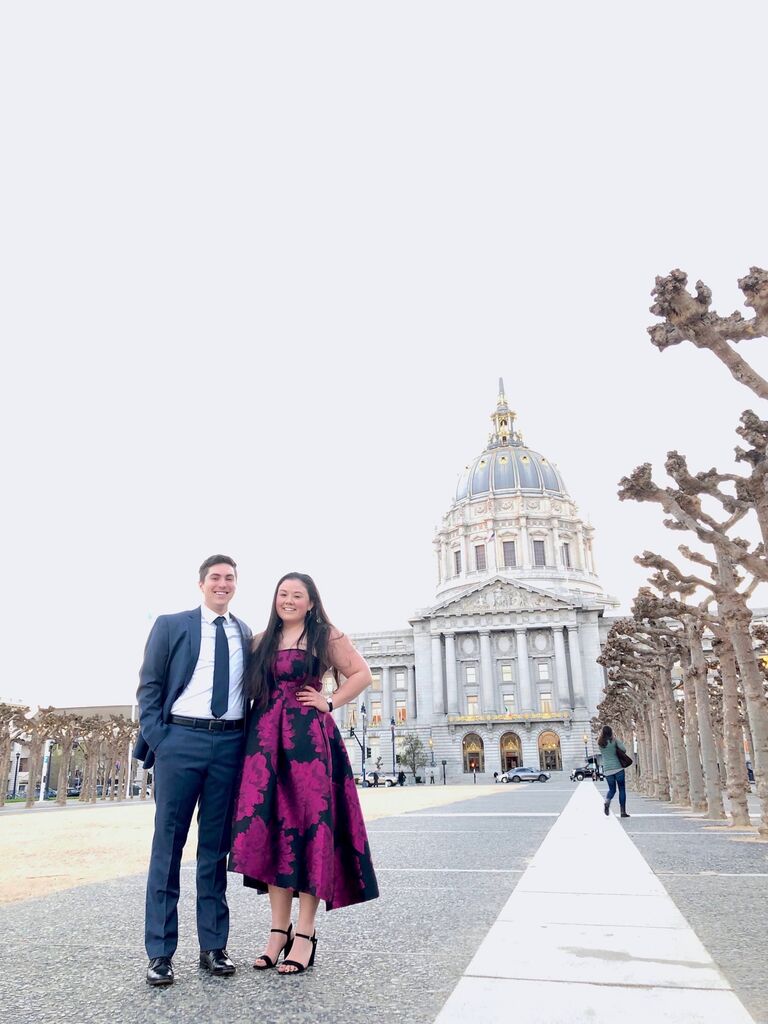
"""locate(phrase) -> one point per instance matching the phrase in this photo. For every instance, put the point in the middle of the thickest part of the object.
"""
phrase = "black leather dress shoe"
(216, 961)
(160, 971)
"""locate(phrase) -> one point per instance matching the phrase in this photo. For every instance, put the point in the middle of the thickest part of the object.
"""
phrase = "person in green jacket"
(612, 769)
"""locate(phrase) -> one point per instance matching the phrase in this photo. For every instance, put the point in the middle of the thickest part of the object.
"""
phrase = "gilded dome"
(508, 468)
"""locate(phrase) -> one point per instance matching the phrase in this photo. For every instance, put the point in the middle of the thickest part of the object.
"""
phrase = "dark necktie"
(220, 695)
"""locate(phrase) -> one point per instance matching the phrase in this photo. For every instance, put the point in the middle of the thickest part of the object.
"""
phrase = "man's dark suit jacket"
(170, 657)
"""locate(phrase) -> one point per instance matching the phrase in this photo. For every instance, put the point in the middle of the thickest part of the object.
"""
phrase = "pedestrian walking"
(615, 760)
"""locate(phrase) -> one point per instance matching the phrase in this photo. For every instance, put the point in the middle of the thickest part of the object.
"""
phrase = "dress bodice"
(290, 670)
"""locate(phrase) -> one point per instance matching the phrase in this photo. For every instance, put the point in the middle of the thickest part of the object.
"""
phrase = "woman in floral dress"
(298, 827)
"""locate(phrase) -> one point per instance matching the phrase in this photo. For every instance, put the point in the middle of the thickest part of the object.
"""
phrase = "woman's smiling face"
(292, 602)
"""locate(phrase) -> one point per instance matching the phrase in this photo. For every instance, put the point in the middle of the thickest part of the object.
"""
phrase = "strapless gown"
(297, 821)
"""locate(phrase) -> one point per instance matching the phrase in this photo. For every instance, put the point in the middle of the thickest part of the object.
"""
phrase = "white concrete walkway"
(590, 935)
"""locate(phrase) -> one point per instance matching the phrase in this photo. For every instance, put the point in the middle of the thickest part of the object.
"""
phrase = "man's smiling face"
(219, 587)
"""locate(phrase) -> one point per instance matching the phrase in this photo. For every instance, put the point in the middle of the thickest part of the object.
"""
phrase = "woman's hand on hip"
(309, 697)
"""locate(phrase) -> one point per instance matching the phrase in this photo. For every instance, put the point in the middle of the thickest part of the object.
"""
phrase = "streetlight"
(392, 729)
(587, 759)
(363, 714)
(353, 735)
(16, 773)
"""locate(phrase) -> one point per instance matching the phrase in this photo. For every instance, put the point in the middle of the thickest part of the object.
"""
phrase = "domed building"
(501, 671)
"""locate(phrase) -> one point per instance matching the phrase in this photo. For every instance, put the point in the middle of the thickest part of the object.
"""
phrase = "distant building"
(501, 670)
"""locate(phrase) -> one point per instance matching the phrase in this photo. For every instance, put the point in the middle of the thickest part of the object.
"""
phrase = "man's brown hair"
(216, 560)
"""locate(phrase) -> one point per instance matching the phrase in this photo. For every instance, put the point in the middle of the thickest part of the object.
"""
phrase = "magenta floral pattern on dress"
(253, 783)
(298, 822)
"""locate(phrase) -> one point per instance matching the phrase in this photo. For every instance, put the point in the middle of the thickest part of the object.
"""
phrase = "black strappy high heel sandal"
(300, 968)
(285, 950)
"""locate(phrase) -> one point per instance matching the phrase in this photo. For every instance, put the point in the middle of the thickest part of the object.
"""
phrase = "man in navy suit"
(191, 714)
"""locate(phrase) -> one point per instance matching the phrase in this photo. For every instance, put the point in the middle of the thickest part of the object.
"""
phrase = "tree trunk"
(643, 773)
(652, 786)
(94, 781)
(757, 709)
(63, 779)
(680, 791)
(720, 751)
(737, 783)
(736, 618)
(715, 807)
(659, 752)
(35, 765)
(5, 759)
(748, 735)
(695, 773)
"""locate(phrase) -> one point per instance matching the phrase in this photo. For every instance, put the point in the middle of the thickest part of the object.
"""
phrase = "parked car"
(523, 774)
(586, 771)
(384, 779)
(50, 794)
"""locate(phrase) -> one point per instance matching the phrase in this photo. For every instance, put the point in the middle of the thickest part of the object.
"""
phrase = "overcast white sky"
(263, 265)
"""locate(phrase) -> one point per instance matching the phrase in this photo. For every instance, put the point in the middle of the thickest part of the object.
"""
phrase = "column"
(589, 632)
(524, 671)
(410, 701)
(561, 668)
(465, 552)
(558, 561)
(438, 703)
(487, 682)
(451, 681)
(576, 674)
(386, 695)
(524, 560)
(491, 561)
(422, 657)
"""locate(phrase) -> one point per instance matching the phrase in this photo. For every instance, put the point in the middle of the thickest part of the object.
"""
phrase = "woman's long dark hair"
(314, 637)
(605, 737)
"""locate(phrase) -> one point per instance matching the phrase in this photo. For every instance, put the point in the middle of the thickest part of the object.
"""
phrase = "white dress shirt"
(195, 701)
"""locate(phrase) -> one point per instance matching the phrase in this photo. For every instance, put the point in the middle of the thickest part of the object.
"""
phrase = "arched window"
(511, 751)
(550, 758)
(474, 753)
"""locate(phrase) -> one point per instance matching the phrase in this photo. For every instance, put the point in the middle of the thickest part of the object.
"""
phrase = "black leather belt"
(211, 724)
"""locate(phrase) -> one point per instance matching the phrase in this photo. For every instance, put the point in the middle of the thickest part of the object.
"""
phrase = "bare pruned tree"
(12, 721)
(689, 318)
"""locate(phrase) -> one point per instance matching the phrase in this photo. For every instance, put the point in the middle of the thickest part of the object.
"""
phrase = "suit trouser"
(193, 768)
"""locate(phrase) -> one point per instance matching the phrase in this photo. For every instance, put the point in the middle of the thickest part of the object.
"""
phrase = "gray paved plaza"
(719, 881)
(444, 875)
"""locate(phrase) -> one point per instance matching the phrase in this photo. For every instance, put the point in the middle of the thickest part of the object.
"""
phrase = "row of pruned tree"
(686, 671)
(104, 746)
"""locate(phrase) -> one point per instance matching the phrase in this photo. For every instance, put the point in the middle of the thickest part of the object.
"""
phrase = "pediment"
(500, 596)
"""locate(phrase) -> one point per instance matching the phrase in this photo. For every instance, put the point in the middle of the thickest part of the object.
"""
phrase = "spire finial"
(503, 420)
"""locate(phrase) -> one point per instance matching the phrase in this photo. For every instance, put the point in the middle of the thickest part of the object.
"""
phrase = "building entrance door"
(511, 751)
